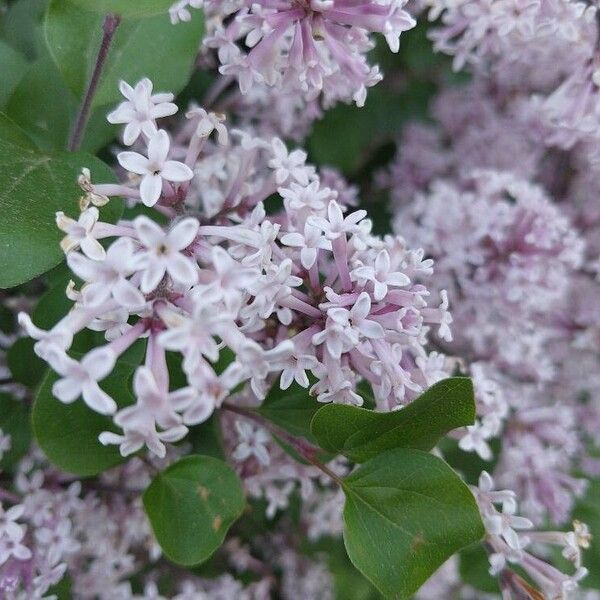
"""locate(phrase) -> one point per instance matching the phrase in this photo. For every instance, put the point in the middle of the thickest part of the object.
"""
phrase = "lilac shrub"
(233, 366)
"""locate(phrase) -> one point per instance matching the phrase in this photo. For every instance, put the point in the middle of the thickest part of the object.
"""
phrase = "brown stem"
(305, 449)
(109, 27)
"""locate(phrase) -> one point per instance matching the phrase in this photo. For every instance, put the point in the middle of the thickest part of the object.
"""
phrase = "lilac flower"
(155, 168)
(162, 252)
(140, 110)
(81, 378)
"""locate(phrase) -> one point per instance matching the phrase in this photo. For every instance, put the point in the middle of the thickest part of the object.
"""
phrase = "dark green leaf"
(21, 26)
(146, 47)
(291, 409)
(191, 505)
(25, 366)
(12, 66)
(206, 438)
(33, 186)
(14, 420)
(474, 569)
(126, 8)
(68, 433)
(361, 434)
(406, 513)
(45, 108)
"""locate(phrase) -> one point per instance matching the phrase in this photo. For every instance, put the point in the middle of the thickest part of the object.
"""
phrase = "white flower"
(253, 442)
(209, 122)
(310, 242)
(295, 369)
(8, 525)
(144, 433)
(108, 277)
(161, 404)
(81, 378)
(5, 443)
(288, 165)
(59, 336)
(80, 233)
(475, 440)
(335, 224)
(141, 109)
(163, 252)
(155, 167)
(356, 318)
(380, 275)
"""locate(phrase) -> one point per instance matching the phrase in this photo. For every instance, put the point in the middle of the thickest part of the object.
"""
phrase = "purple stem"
(109, 27)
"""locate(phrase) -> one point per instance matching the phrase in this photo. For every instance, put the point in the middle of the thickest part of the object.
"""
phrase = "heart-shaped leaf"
(191, 505)
(406, 513)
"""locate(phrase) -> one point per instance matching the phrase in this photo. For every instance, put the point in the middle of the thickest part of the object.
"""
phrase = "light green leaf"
(361, 434)
(406, 513)
(68, 433)
(191, 505)
(12, 65)
(14, 420)
(145, 47)
(33, 186)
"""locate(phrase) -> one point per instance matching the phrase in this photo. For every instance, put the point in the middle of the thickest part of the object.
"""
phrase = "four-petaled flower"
(155, 167)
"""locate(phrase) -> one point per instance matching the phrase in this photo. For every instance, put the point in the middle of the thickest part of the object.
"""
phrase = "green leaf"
(406, 513)
(68, 433)
(46, 109)
(145, 47)
(361, 434)
(206, 438)
(474, 569)
(14, 420)
(21, 26)
(33, 186)
(291, 409)
(191, 505)
(12, 65)
(25, 366)
(12, 133)
(126, 8)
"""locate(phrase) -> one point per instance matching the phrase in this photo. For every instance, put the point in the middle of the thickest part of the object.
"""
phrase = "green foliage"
(13, 64)
(406, 513)
(291, 409)
(474, 569)
(68, 433)
(46, 109)
(361, 434)
(33, 186)
(14, 420)
(587, 510)
(126, 8)
(191, 505)
(21, 26)
(25, 366)
(147, 46)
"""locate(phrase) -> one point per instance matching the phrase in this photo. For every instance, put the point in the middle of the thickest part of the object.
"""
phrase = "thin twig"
(305, 449)
(109, 27)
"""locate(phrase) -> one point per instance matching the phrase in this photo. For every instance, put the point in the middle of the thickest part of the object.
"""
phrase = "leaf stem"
(109, 27)
(305, 449)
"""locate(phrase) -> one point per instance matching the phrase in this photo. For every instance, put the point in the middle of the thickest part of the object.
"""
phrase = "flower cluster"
(306, 290)
(311, 47)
